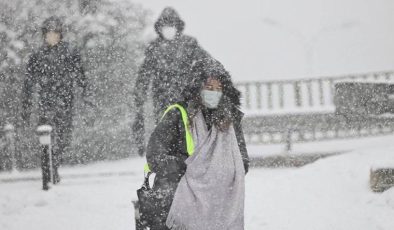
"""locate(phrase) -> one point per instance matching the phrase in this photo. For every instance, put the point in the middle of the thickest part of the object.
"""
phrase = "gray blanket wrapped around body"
(211, 194)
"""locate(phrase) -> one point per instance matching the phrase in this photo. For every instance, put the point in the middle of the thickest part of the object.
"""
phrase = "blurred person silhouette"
(55, 68)
(166, 67)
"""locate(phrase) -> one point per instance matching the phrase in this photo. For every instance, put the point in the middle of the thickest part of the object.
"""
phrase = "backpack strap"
(188, 135)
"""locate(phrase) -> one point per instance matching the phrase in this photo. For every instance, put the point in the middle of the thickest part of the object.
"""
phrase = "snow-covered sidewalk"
(99, 199)
(330, 194)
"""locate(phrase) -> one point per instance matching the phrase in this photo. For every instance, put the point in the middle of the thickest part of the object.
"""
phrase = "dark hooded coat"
(166, 151)
(167, 67)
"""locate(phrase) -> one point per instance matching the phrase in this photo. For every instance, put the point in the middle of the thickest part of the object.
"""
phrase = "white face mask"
(52, 38)
(211, 98)
(169, 32)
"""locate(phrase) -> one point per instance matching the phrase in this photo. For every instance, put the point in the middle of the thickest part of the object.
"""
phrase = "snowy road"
(331, 194)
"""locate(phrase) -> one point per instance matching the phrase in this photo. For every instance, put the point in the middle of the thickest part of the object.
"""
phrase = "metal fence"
(313, 127)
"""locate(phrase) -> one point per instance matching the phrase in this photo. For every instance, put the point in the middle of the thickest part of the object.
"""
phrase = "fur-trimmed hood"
(228, 109)
(169, 17)
(210, 67)
(213, 68)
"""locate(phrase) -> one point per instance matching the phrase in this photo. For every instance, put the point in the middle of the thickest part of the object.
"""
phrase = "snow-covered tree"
(108, 34)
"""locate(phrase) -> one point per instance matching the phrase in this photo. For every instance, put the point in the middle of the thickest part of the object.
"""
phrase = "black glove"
(139, 133)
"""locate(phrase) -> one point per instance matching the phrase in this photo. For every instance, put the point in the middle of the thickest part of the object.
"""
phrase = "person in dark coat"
(167, 64)
(55, 68)
(166, 150)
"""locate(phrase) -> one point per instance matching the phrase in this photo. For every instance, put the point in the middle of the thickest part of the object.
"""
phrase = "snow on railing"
(314, 95)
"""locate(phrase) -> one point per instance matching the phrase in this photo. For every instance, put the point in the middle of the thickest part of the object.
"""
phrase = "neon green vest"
(188, 135)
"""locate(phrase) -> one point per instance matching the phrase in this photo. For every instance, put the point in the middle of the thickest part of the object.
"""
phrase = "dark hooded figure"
(55, 68)
(167, 64)
(214, 174)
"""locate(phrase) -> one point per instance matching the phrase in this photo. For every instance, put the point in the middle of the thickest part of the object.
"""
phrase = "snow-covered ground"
(330, 194)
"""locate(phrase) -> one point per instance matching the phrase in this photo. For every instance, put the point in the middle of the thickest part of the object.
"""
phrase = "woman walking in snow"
(201, 180)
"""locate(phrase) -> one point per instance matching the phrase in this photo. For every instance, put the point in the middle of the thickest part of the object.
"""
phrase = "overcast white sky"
(287, 39)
